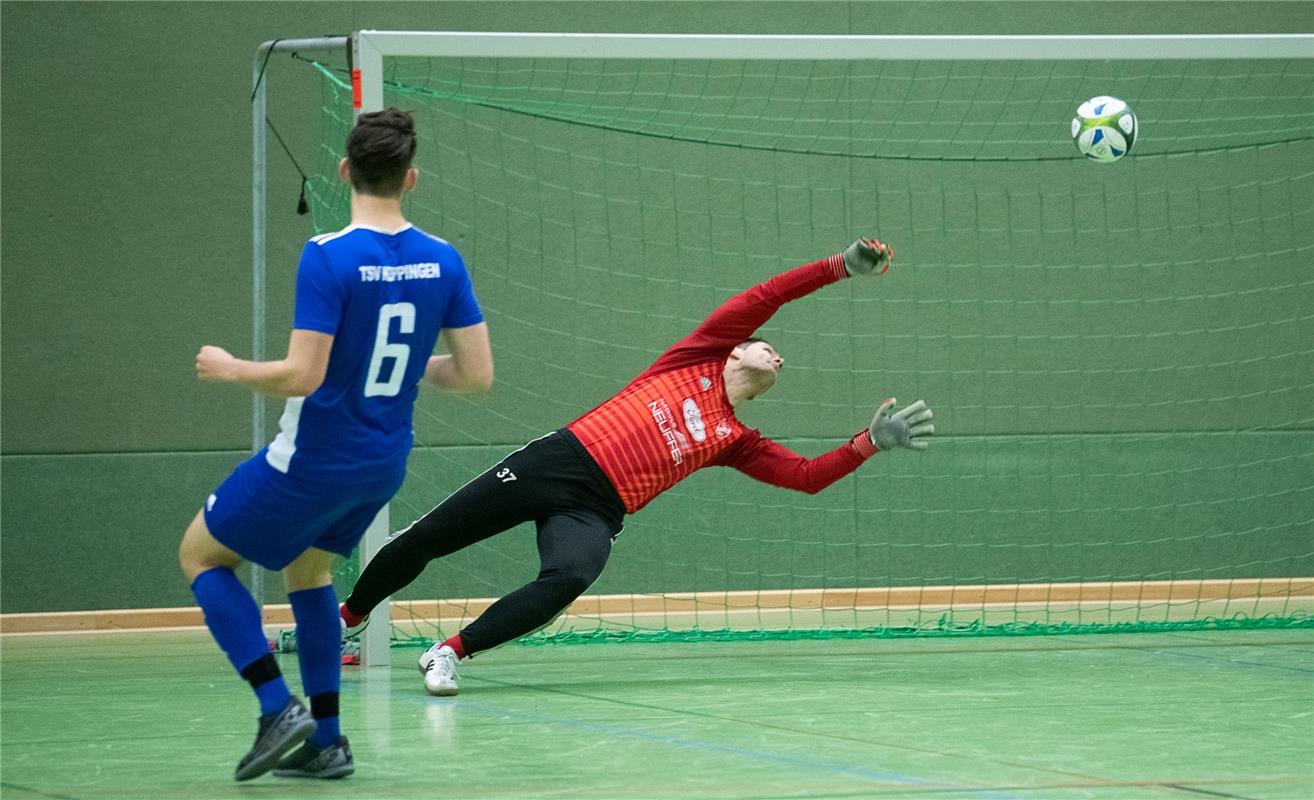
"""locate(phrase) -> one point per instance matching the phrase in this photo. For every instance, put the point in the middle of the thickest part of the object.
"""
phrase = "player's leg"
(573, 548)
(503, 496)
(309, 582)
(231, 613)
(234, 620)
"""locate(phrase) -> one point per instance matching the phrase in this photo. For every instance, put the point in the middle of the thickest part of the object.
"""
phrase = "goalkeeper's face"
(760, 363)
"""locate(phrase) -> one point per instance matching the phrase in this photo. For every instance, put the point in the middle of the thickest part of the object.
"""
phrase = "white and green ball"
(1104, 129)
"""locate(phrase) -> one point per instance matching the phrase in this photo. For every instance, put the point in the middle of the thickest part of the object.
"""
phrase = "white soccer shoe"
(438, 666)
(352, 631)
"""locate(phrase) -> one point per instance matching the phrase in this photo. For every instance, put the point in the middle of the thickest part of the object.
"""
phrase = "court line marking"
(1221, 660)
(906, 784)
(1095, 780)
(1207, 792)
(38, 792)
(786, 729)
(759, 755)
(696, 744)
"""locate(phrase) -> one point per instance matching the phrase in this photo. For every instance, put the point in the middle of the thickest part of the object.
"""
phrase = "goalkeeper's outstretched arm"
(738, 318)
(762, 459)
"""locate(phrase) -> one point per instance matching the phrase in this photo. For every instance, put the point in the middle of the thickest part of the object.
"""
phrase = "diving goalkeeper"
(579, 482)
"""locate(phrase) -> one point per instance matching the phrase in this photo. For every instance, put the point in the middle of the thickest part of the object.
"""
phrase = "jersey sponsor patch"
(693, 420)
(661, 414)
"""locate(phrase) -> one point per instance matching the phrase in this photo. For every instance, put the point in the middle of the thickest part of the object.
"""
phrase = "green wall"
(126, 246)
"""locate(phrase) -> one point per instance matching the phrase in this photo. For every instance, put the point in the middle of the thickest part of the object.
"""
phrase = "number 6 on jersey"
(384, 349)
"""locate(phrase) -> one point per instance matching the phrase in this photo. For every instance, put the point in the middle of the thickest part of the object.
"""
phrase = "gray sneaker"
(278, 734)
(310, 761)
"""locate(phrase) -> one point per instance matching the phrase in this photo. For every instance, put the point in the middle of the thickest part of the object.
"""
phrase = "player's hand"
(214, 364)
(866, 256)
(905, 428)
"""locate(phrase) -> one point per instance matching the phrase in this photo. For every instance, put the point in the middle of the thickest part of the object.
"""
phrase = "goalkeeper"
(579, 482)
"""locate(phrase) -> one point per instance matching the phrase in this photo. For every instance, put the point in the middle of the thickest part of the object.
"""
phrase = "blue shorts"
(269, 517)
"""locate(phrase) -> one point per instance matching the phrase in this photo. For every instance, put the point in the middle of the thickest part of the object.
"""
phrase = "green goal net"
(1120, 357)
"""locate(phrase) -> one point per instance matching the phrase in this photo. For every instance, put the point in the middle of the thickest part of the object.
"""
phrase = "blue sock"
(319, 651)
(234, 620)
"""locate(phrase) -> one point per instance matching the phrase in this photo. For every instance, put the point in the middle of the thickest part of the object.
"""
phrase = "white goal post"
(366, 51)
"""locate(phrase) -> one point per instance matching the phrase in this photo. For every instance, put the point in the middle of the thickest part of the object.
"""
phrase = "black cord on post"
(263, 66)
(302, 206)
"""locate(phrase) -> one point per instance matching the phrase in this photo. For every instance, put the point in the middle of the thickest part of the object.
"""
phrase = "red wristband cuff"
(861, 442)
(835, 267)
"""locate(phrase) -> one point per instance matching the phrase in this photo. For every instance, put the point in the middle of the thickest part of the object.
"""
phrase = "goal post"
(367, 84)
(325, 47)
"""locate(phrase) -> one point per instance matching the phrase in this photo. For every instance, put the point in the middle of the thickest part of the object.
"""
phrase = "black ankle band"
(324, 705)
(261, 671)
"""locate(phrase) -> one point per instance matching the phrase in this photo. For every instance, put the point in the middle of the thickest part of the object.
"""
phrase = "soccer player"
(579, 482)
(371, 302)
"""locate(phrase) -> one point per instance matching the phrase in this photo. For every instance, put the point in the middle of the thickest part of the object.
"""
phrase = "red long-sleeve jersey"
(675, 417)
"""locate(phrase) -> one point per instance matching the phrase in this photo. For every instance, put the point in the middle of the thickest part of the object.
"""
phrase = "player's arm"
(319, 307)
(297, 375)
(769, 462)
(467, 366)
(739, 317)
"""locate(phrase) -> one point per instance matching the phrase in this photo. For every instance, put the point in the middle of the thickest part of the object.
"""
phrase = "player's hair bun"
(380, 149)
(396, 119)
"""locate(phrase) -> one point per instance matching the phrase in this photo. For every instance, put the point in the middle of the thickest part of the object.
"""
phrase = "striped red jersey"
(675, 417)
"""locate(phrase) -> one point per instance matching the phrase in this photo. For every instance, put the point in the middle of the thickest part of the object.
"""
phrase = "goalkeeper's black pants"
(552, 481)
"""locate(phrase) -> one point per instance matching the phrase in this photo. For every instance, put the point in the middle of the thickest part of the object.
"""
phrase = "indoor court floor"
(133, 716)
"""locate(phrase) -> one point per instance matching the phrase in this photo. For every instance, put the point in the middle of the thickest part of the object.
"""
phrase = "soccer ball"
(1104, 129)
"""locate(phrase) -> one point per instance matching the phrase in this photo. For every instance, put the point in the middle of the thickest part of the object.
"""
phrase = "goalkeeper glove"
(903, 428)
(868, 255)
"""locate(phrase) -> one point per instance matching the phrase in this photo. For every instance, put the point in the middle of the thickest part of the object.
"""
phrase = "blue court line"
(1237, 662)
(39, 792)
(712, 747)
(696, 744)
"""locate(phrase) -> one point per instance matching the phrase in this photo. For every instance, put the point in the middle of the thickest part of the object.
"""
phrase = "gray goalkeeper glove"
(866, 256)
(905, 428)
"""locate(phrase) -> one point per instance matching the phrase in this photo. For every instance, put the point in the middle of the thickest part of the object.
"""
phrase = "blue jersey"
(384, 297)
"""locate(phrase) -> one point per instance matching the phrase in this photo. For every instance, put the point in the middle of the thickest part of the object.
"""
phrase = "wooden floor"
(1180, 715)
